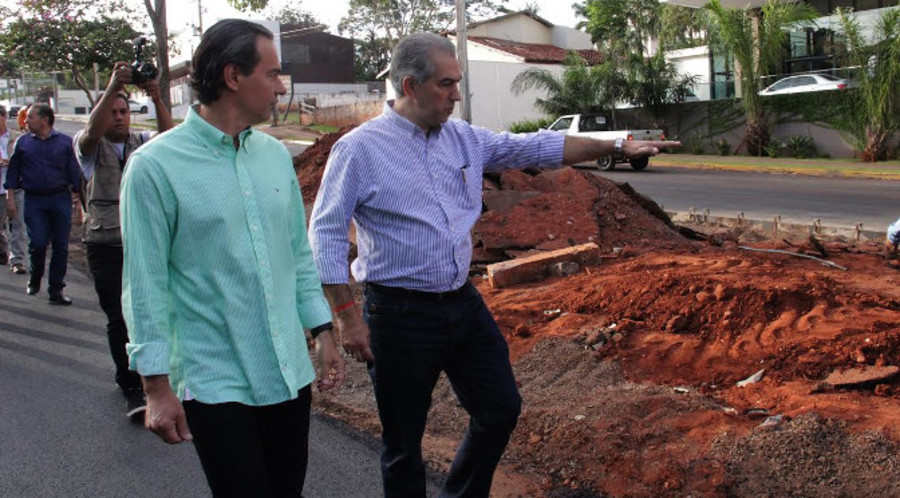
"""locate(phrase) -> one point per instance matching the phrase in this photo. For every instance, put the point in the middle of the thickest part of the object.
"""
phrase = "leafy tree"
(878, 112)
(655, 83)
(253, 5)
(579, 89)
(395, 19)
(377, 25)
(372, 56)
(756, 38)
(621, 27)
(293, 14)
(51, 44)
(681, 27)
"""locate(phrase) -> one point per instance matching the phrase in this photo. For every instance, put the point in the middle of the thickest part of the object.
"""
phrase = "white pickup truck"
(596, 126)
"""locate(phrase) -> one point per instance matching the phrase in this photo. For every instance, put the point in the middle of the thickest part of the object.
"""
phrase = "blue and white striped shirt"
(414, 198)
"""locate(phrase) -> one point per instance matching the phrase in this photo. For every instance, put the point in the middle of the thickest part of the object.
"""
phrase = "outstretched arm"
(581, 149)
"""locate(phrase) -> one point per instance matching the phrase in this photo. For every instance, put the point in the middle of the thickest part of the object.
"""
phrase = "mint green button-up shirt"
(218, 279)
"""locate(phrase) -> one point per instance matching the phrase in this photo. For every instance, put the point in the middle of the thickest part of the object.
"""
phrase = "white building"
(500, 49)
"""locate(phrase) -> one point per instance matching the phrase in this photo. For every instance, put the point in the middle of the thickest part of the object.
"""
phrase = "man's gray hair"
(413, 58)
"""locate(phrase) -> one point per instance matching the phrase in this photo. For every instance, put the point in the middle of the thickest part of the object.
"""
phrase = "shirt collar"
(404, 124)
(211, 136)
(53, 133)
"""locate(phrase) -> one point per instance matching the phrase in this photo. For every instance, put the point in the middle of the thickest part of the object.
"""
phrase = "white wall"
(867, 19)
(478, 52)
(494, 106)
(519, 28)
(570, 38)
(693, 61)
(70, 99)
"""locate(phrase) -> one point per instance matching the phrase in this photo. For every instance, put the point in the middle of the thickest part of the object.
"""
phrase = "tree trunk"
(76, 75)
(160, 29)
(876, 145)
(757, 136)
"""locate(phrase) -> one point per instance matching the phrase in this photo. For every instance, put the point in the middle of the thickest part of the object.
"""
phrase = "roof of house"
(536, 52)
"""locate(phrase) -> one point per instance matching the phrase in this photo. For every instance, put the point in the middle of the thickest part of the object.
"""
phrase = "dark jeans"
(258, 451)
(414, 337)
(105, 263)
(48, 219)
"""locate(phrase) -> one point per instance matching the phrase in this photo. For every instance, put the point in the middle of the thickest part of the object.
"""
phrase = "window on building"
(295, 53)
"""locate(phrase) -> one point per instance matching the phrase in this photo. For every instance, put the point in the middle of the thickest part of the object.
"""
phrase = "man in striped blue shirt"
(411, 181)
(218, 277)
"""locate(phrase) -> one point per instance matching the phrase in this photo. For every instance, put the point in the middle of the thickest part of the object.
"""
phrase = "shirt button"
(253, 228)
(283, 368)
(247, 194)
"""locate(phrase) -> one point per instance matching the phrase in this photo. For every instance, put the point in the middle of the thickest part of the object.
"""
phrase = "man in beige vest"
(13, 238)
(102, 149)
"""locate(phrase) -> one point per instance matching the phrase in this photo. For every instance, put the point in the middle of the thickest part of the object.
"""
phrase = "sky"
(184, 13)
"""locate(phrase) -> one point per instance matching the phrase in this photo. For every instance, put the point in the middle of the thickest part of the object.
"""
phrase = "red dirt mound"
(560, 208)
(310, 164)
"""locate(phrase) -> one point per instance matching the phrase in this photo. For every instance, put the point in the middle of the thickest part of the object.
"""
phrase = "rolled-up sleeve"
(88, 162)
(14, 169)
(147, 212)
(511, 150)
(312, 307)
(332, 211)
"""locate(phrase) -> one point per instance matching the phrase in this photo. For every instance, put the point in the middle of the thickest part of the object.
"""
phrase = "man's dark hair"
(44, 111)
(230, 41)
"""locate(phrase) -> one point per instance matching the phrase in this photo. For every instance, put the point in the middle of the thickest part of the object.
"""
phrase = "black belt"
(415, 294)
(52, 191)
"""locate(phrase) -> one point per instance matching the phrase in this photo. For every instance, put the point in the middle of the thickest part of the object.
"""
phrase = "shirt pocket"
(103, 214)
(466, 186)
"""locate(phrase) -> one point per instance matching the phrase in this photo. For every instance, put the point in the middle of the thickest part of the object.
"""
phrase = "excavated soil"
(677, 367)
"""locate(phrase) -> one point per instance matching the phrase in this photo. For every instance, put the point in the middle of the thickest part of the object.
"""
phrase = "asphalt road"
(63, 430)
(838, 202)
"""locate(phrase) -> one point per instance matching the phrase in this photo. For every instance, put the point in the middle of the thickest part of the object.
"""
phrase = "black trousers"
(258, 451)
(105, 263)
(414, 337)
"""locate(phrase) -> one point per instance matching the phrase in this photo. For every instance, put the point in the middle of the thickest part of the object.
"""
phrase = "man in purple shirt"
(43, 163)
(411, 181)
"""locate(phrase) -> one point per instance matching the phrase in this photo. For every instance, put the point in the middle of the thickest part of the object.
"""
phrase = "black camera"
(141, 70)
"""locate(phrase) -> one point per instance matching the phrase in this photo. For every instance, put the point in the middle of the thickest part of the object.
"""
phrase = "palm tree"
(655, 83)
(756, 39)
(879, 81)
(578, 90)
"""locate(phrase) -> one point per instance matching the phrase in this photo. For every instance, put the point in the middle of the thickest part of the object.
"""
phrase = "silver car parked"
(802, 83)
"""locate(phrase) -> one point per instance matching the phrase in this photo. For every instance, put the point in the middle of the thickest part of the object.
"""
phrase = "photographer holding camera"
(102, 149)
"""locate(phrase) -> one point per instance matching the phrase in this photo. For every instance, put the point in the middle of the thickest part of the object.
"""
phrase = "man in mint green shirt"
(219, 282)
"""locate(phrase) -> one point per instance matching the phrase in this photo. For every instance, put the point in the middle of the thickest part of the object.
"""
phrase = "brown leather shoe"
(18, 269)
(57, 297)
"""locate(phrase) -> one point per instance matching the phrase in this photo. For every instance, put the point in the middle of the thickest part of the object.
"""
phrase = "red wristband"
(344, 306)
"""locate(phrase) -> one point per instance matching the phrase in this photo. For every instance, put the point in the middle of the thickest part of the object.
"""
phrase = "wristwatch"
(314, 332)
(617, 148)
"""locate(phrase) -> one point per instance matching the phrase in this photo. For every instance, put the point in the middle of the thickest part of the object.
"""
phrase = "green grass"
(323, 128)
(816, 167)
